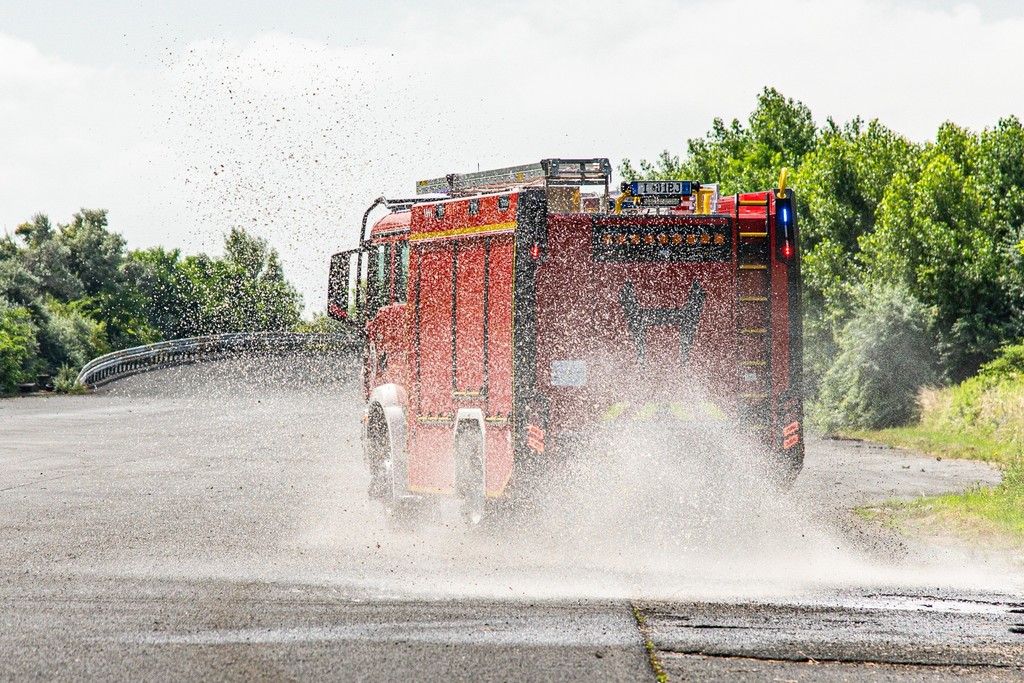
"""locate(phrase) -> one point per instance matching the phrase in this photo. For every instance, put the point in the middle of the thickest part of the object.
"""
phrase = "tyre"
(470, 475)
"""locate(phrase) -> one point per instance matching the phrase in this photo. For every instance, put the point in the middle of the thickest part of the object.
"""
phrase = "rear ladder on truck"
(753, 315)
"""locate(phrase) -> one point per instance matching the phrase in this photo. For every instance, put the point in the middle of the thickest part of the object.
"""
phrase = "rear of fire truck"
(674, 314)
(513, 314)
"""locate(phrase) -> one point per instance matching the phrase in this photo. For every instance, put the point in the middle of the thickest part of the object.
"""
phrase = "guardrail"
(164, 354)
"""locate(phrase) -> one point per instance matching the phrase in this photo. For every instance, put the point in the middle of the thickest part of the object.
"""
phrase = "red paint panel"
(431, 465)
(430, 452)
(500, 452)
(499, 458)
(457, 216)
(469, 317)
(499, 327)
(435, 331)
(388, 348)
(393, 222)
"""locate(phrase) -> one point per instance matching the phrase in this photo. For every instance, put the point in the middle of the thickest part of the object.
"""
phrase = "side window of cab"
(388, 275)
(401, 260)
(378, 286)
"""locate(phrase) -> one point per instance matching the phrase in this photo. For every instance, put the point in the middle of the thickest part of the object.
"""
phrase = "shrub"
(991, 403)
(1010, 361)
(885, 357)
(66, 381)
(68, 337)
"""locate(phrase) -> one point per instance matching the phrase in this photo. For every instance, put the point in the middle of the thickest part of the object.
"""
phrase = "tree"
(18, 347)
(942, 223)
(936, 236)
(244, 291)
(780, 133)
(94, 253)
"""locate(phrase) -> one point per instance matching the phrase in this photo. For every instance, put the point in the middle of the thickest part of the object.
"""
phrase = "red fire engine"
(508, 312)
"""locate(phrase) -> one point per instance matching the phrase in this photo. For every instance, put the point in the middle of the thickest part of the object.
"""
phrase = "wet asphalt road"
(211, 523)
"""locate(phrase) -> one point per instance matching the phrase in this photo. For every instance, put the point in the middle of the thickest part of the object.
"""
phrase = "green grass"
(983, 514)
(982, 418)
(942, 443)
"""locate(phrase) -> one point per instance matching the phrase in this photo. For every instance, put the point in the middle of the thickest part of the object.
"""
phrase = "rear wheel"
(470, 474)
(787, 465)
(378, 459)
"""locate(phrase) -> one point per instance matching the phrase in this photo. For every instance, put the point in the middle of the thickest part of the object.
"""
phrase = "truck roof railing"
(554, 172)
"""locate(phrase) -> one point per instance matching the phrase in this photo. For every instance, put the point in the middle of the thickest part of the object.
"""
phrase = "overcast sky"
(186, 118)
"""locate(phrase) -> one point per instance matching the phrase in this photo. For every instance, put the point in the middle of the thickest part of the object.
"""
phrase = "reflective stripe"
(680, 411)
(646, 411)
(713, 411)
(461, 232)
(615, 410)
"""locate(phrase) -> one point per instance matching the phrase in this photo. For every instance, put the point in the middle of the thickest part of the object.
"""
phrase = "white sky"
(186, 118)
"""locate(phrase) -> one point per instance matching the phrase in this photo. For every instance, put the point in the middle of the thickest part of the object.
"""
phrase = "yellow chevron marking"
(713, 411)
(646, 411)
(615, 410)
(680, 412)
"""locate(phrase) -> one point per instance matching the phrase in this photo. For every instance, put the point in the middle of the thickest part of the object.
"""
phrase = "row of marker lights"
(662, 239)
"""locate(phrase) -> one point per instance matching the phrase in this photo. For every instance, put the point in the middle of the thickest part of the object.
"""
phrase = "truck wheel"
(469, 472)
(786, 466)
(403, 512)
(378, 460)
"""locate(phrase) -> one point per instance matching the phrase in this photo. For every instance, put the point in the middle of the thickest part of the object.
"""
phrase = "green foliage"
(1008, 364)
(74, 294)
(67, 336)
(981, 418)
(66, 381)
(18, 347)
(244, 291)
(943, 222)
(936, 235)
(322, 324)
(780, 132)
(94, 253)
(990, 403)
(885, 356)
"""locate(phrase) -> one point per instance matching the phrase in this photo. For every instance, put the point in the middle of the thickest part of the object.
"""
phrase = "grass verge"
(942, 443)
(992, 516)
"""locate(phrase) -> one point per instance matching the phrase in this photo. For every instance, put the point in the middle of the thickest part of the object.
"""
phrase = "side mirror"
(343, 301)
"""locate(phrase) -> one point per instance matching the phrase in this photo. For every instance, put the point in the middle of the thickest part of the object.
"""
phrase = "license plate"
(661, 187)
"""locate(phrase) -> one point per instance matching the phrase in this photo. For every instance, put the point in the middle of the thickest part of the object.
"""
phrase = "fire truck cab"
(507, 312)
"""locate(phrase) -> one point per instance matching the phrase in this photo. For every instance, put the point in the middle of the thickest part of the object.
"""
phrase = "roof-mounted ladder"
(552, 172)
